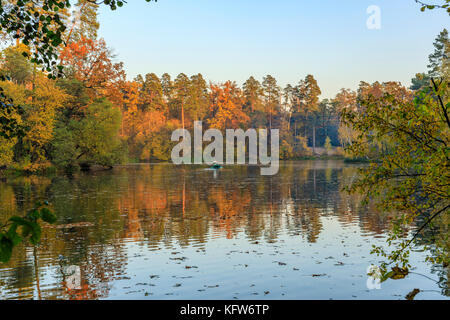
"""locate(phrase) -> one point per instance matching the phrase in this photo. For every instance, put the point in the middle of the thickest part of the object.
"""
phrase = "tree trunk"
(314, 138)
(182, 116)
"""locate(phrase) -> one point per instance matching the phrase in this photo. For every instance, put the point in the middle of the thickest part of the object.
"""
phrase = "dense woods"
(94, 115)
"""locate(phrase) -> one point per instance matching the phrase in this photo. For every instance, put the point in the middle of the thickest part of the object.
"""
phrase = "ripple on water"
(160, 232)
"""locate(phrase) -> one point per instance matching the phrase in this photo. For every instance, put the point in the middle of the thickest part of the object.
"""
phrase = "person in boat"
(216, 165)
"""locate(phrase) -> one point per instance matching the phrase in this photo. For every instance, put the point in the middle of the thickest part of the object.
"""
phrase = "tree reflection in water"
(164, 207)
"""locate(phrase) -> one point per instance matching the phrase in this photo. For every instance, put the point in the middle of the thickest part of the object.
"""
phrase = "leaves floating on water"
(182, 258)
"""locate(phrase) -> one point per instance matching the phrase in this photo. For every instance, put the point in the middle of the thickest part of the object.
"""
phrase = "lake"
(159, 231)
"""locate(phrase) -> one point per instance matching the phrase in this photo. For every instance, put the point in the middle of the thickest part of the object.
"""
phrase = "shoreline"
(55, 171)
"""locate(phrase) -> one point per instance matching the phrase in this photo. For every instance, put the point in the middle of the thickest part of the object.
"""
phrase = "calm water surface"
(158, 231)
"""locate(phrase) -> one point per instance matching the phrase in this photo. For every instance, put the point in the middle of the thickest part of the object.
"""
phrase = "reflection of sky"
(267, 249)
(233, 39)
(229, 268)
(236, 268)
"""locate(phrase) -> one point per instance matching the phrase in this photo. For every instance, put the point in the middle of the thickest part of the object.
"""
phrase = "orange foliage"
(226, 107)
(90, 61)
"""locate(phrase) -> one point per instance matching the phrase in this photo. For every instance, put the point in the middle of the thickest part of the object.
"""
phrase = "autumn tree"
(288, 140)
(84, 22)
(411, 175)
(142, 123)
(42, 25)
(346, 100)
(91, 140)
(8, 141)
(39, 116)
(180, 91)
(271, 93)
(225, 110)
(78, 98)
(15, 66)
(198, 101)
(253, 93)
(307, 94)
(150, 93)
(129, 106)
(40, 99)
(253, 102)
(289, 102)
(91, 62)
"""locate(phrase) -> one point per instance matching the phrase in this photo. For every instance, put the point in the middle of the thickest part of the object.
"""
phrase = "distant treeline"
(94, 115)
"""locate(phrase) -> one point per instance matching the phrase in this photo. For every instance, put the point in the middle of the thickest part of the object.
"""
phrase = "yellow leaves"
(40, 98)
(6, 150)
(346, 99)
(46, 95)
(14, 91)
(409, 174)
(226, 107)
(396, 273)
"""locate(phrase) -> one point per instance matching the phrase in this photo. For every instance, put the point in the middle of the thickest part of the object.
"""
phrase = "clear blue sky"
(233, 39)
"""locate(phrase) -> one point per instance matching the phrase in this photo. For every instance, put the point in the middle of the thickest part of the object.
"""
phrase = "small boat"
(216, 166)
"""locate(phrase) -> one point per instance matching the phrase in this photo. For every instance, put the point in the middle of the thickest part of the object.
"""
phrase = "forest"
(93, 115)
(68, 105)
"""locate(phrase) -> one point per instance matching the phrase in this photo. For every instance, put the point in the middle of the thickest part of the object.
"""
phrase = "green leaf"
(29, 227)
(20, 221)
(48, 216)
(26, 230)
(33, 214)
(6, 247)
(13, 236)
(36, 232)
(387, 276)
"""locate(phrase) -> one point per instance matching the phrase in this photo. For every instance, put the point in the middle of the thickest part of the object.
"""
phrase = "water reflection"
(163, 231)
